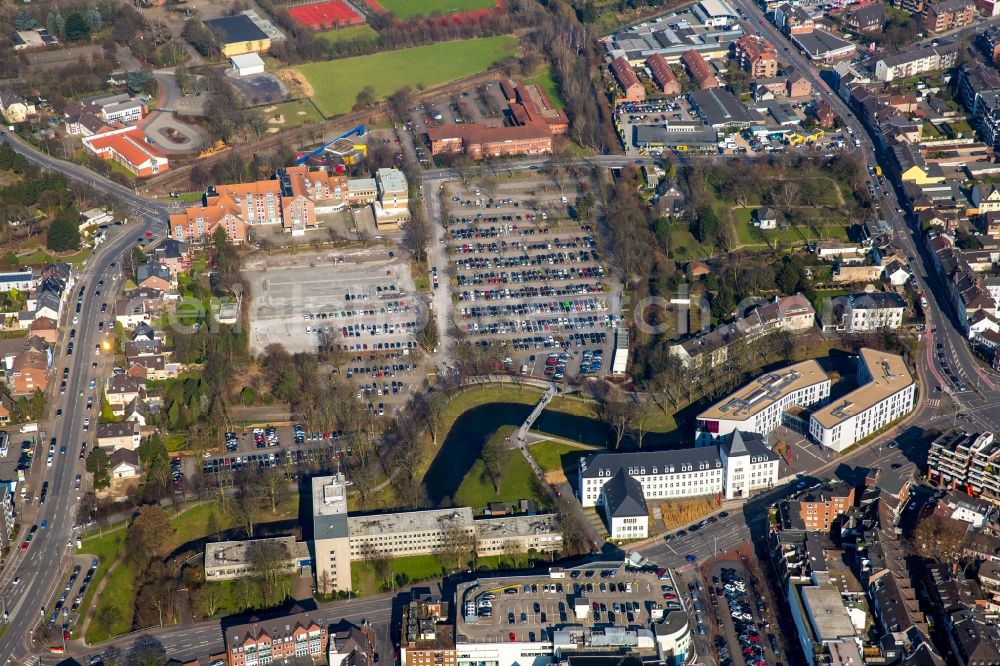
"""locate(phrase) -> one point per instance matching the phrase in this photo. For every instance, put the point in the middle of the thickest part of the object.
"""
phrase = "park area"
(408, 10)
(334, 85)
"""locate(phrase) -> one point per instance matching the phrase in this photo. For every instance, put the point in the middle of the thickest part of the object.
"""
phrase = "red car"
(25, 544)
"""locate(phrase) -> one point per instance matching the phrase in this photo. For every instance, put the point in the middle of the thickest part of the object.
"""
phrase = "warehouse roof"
(231, 29)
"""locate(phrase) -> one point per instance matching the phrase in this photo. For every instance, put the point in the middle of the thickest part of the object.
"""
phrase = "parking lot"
(363, 297)
(743, 633)
(526, 277)
(527, 608)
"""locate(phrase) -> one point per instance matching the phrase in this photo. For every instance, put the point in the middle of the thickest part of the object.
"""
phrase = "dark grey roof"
(237, 28)
(876, 300)
(152, 268)
(333, 526)
(653, 462)
(720, 107)
(747, 444)
(142, 329)
(124, 456)
(623, 497)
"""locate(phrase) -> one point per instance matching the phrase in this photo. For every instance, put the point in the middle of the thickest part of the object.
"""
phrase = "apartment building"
(699, 70)
(873, 312)
(819, 508)
(426, 639)
(632, 89)
(916, 61)
(663, 74)
(885, 393)
(17, 280)
(302, 634)
(759, 406)
(969, 461)
(123, 435)
(948, 15)
(756, 56)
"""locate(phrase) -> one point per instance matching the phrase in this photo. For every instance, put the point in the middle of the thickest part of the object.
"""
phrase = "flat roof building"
(227, 560)
(720, 109)
(238, 34)
(331, 542)
(706, 27)
(759, 406)
(885, 393)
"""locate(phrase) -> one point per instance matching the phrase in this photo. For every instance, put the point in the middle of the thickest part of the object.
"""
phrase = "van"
(524, 369)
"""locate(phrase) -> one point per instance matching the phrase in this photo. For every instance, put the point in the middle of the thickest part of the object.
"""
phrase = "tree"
(939, 538)
(24, 20)
(323, 582)
(275, 487)
(248, 503)
(140, 81)
(400, 103)
(365, 98)
(267, 562)
(64, 232)
(494, 455)
(147, 651)
(618, 412)
(457, 547)
(147, 533)
(213, 527)
(208, 599)
(155, 461)
(94, 18)
(99, 465)
(107, 617)
(381, 565)
(55, 23)
(77, 27)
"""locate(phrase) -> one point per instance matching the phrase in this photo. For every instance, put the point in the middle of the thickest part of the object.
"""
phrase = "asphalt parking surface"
(528, 280)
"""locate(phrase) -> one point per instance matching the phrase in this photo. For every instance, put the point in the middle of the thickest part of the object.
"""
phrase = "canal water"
(463, 444)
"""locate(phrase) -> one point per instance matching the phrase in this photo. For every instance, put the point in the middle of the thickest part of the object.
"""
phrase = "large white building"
(885, 393)
(733, 467)
(758, 406)
(873, 312)
(339, 539)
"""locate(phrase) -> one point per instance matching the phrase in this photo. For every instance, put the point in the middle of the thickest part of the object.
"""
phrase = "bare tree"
(493, 455)
(457, 546)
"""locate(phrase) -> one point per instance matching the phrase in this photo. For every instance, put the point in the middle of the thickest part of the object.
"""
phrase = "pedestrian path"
(522, 432)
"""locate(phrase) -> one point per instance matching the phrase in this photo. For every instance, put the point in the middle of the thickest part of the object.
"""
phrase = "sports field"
(350, 33)
(335, 84)
(406, 10)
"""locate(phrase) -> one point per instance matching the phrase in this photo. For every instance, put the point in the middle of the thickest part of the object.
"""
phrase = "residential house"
(798, 86)
(632, 89)
(15, 108)
(352, 646)
(138, 412)
(874, 311)
(298, 634)
(896, 274)
(793, 20)
(870, 18)
(130, 312)
(766, 218)
(825, 115)
(916, 61)
(121, 435)
(175, 255)
(121, 390)
(699, 70)
(124, 464)
(154, 275)
(29, 371)
(986, 198)
(44, 328)
(7, 408)
(663, 74)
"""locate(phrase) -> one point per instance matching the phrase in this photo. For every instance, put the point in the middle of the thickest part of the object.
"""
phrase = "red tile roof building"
(663, 74)
(632, 89)
(128, 147)
(699, 70)
(532, 105)
(478, 141)
(756, 56)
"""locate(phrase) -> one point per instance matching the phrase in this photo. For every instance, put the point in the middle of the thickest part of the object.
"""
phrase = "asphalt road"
(41, 569)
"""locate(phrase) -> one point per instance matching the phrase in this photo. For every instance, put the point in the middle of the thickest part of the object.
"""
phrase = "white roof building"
(247, 63)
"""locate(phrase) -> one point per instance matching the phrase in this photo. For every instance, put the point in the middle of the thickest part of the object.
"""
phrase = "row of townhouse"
(969, 292)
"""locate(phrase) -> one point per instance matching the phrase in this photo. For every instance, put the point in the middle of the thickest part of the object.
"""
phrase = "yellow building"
(237, 35)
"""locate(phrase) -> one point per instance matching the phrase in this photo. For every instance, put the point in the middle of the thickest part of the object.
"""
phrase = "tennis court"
(325, 15)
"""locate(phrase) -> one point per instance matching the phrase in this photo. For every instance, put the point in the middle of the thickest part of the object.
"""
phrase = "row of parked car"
(751, 642)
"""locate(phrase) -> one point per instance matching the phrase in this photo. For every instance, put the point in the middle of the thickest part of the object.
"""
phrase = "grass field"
(416, 567)
(477, 490)
(407, 10)
(350, 33)
(556, 456)
(291, 114)
(336, 83)
(543, 79)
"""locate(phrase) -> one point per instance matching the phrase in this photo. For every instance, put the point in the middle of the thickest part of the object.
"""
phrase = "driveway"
(164, 129)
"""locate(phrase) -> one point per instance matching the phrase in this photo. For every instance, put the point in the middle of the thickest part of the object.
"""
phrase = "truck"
(28, 427)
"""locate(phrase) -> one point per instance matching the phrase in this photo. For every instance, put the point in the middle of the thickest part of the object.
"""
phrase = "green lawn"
(350, 33)
(416, 567)
(239, 596)
(543, 79)
(406, 10)
(554, 456)
(292, 114)
(337, 82)
(477, 490)
(106, 549)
